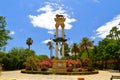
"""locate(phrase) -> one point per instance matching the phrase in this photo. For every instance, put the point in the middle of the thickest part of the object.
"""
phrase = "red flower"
(46, 62)
(73, 62)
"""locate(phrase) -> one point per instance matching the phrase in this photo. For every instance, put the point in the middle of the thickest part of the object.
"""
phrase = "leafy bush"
(10, 62)
(31, 63)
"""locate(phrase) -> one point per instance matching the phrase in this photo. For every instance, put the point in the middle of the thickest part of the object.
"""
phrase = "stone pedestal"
(59, 66)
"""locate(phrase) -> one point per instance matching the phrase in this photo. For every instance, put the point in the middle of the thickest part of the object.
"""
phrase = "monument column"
(59, 65)
(63, 51)
(57, 41)
(59, 22)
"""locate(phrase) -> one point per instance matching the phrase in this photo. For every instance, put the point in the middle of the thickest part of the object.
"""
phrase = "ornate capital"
(60, 20)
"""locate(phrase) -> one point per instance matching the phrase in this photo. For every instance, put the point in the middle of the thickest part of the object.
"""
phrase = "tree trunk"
(50, 53)
(75, 55)
(87, 51)
(29, 47)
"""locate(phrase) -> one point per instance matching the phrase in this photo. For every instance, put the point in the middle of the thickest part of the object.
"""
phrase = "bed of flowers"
(34, 66)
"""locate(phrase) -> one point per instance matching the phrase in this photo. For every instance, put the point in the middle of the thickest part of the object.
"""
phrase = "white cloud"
(46, 41)
(12, 33)
(51, 32)
(47, 14)
(103, 30)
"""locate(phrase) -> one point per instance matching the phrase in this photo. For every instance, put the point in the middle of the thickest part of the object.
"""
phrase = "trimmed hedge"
(60, 73)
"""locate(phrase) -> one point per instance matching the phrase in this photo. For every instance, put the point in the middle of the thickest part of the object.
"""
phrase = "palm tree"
(50, 45)
(85, 44)
(75, 49)
(114, 33)
(29, 42)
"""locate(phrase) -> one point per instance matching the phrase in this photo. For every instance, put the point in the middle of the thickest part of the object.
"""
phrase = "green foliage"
(2, 54)
(85, 44)
(31, 63)
(107, 53)
(83, 54)
(87, 62)
(114, 33)
(75, 49)
(10, 62)
(4, 34)
(42, 57)
(5, 62)
(15, 58)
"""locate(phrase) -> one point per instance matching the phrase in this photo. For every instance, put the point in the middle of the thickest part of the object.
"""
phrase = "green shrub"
(31, 63)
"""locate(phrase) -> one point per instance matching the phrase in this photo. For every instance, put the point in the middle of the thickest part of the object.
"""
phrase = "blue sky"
(35, 19)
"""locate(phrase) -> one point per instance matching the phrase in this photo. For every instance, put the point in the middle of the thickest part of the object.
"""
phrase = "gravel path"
(16, 75)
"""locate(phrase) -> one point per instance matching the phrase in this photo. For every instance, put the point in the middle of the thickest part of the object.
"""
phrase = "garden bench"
(115, 77)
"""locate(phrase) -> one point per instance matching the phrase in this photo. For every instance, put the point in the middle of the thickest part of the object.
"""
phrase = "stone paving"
(16, 75)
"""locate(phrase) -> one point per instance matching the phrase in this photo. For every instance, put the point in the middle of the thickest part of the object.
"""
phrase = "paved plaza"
(16, 75)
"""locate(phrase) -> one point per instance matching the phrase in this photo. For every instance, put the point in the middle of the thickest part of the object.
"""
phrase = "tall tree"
(4, 34)
(75, 49)
(50, 45)
(29, 42)
(85, 44)
(114, 33)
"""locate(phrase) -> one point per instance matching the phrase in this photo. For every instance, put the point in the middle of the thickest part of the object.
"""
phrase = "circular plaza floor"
(17, 75)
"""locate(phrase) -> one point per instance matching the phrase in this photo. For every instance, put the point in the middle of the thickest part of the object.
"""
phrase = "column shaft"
(56, 56)
(56, 32)
(63, 51)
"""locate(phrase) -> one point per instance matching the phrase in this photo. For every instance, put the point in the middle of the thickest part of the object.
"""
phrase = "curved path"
(16, 75)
